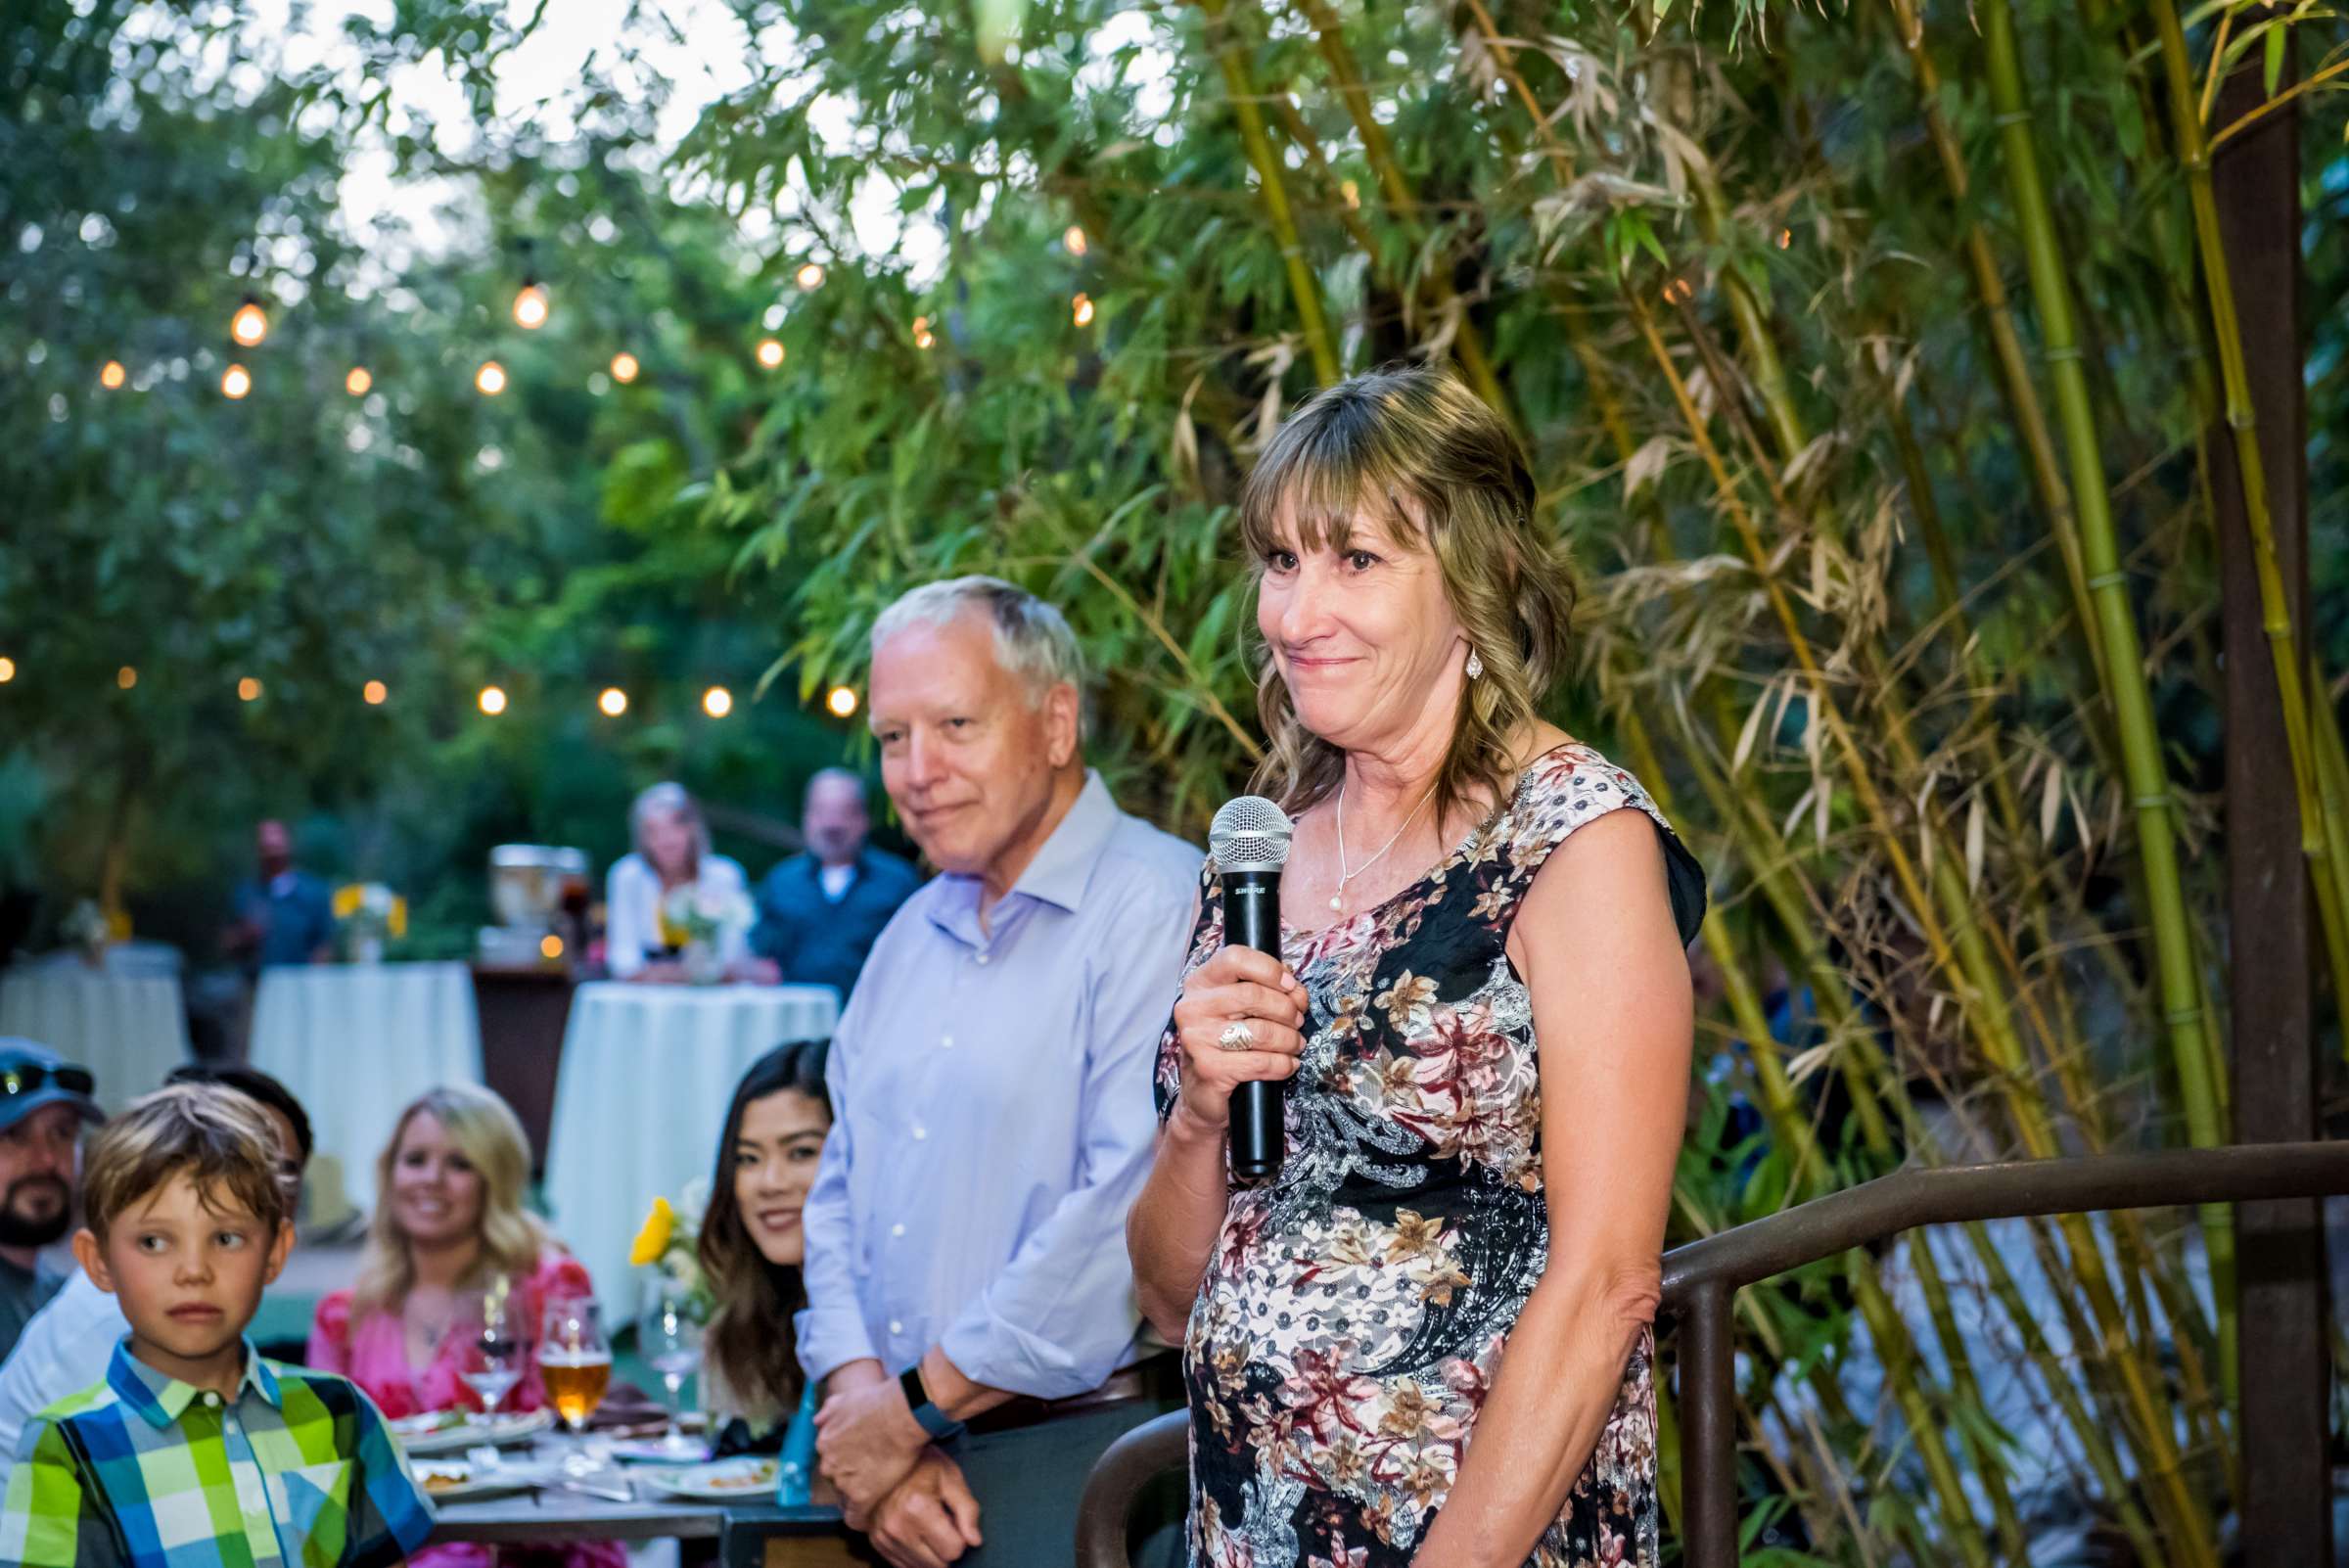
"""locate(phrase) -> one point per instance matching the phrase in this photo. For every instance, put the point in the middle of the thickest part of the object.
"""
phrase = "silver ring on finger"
(1236, 1037)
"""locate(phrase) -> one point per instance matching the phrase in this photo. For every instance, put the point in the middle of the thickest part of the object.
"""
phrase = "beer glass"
(575, 1364)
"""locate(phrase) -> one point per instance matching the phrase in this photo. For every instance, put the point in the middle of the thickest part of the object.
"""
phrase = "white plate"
(466, 1483)
(726, 1481)
(653, 1450)
(470, 1433)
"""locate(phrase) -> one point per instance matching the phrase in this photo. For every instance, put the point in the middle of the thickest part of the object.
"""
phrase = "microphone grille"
(1250, 834)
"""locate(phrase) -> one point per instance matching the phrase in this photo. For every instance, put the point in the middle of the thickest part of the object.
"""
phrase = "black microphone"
(1250, 841)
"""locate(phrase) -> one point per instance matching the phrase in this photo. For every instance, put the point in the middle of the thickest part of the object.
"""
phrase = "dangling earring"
(1476, 665)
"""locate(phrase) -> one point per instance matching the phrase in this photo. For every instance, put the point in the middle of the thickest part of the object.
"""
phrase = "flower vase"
(367, 951)
(702, 965)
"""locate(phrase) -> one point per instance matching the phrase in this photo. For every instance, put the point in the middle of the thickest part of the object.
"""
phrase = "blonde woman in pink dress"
(448, 1220)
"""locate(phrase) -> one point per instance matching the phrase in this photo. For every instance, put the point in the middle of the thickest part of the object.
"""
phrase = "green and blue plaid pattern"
(144, 1471)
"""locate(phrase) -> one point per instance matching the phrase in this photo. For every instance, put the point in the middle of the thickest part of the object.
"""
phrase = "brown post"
(2286, 1508)
(1708, 1430)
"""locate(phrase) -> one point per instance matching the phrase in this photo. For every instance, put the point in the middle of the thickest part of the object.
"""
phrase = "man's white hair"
(1032, 639)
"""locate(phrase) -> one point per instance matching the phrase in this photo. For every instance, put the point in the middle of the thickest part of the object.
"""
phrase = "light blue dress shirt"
(993, 1121)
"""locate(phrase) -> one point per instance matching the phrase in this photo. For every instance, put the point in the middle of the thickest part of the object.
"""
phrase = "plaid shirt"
(144, 1471)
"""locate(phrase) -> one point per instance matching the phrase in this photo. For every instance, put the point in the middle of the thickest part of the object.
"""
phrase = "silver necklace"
(1337, 900)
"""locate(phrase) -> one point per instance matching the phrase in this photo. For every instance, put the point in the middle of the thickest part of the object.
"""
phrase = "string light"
(493, 700)
(550, 946)
(251, 324)
(923, 338)
(249, 690)
(235, 381)
(532, 305)
(1082, 307)
(1073, 239)
(842, 700)
(8, 669)
(613, 701)
(112, 375)
(1785, 237)
(770, 353)
(359, 381)
(490, 378)
(126, 677)
(717, 702)
(809, 277)
(625, 367)
(375, 692)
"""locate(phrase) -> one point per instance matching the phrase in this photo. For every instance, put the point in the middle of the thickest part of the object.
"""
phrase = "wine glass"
(494, 1351)
(670, 1338)
(574, 1362)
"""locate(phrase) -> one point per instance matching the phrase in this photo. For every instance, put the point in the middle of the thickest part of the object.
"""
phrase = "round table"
(129, 1030)
(640, 1100)
(355, 1044)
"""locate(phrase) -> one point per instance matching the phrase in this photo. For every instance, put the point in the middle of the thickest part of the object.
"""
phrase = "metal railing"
(1701, 1278)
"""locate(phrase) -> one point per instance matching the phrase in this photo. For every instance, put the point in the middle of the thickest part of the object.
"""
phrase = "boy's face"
(189, 1276)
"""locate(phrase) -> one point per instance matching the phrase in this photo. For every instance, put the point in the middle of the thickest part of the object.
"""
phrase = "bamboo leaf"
(2051, 803)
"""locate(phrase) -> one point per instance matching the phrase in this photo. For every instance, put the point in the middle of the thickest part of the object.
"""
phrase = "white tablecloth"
(356, 1042)
(641, 1099)
(129, 1030)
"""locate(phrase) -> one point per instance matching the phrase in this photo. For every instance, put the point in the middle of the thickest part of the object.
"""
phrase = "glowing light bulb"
(490, 378)
(717, 702)
(8, 669)
(1785, 237)
(250, 324)
(1081, 308)
(375, 692)
(922, 337)
(810, 276)
(126, 677)
(770, 353)
(235, 381)
(613, 701)
(112, 375)
(531, 306)
(550, 946)
(1075, 240)
(625, 367)
(493, 700)
(359, 381)
(842, 700)
(249, 690)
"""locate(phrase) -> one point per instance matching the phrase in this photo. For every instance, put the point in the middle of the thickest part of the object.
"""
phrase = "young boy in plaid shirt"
(192, 1451)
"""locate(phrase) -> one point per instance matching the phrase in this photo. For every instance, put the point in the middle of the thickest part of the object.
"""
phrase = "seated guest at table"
(672, 852)
(448, 1220)
(68, 1344)
(285, 915)
(818, 912)
(751, 1246)
(44, 1101)
(190, 1448)
(957, 1274)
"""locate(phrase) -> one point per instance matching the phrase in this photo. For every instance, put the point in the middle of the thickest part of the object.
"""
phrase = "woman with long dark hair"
(751, 1246)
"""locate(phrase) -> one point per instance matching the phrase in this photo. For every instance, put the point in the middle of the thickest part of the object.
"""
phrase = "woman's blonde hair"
(1417, 451)
(486, 1133)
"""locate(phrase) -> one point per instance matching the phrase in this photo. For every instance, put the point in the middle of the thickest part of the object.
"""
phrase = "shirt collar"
(163, 1400)
(1058, 874)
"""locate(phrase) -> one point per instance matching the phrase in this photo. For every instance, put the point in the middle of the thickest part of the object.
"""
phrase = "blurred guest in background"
(44, 1102)
(68, 1344)
(751, 1246)
(969, 1304)
(672, 855)
(818, 912)
(449, 1223)
(284, 915)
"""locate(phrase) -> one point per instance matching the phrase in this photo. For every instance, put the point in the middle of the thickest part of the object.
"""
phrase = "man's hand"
(930, 1520)
(866, 1438)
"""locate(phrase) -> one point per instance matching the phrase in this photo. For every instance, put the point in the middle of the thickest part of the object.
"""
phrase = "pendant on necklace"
(1337, 903)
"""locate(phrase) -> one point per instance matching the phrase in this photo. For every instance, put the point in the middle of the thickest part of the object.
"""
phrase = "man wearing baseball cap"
(44, 1102)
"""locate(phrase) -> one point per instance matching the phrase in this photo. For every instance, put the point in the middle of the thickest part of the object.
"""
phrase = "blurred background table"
(355, 1044)
(641, 1098)
(125, 1020)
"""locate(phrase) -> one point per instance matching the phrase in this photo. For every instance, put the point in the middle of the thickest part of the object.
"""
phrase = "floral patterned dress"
(1355, 1312)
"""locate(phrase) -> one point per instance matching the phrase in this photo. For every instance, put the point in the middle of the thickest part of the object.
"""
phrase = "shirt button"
(896, 1231)
(895, 1327)
(212, 1400)
(981, 958)
(946, 1041)
(920, 1132)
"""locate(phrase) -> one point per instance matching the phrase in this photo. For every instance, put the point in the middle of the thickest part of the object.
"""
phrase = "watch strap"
(938, 1423)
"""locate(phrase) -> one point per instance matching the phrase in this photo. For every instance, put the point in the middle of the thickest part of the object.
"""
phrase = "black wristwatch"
(942, 1427)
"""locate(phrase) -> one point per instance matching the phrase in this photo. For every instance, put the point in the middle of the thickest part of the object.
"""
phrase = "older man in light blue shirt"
(971, 1306)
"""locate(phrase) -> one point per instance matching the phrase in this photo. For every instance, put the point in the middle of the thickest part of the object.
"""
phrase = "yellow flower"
(653, 1240)
(347, 899)
(399, 916)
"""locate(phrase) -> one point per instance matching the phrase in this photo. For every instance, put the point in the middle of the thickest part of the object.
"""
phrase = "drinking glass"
(493, 1342)
(574, 1362)
(670, 1338)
